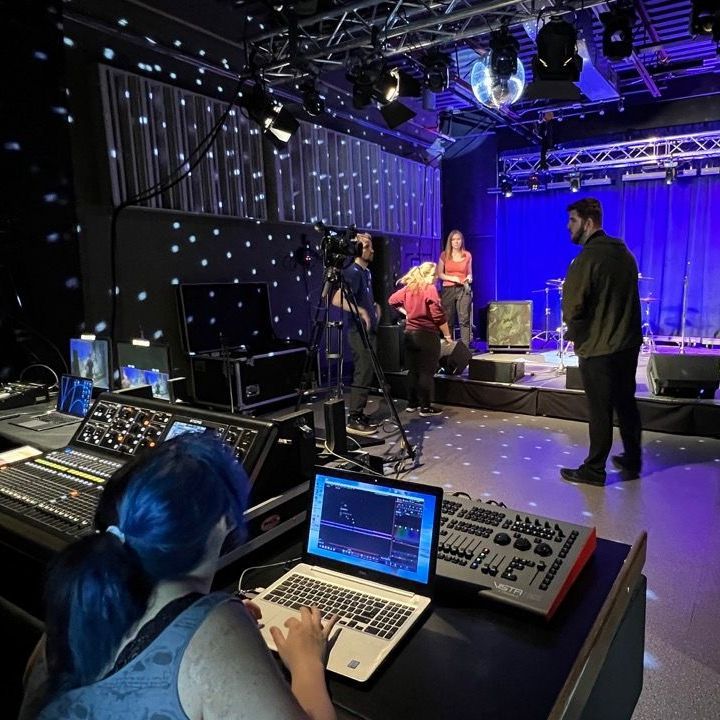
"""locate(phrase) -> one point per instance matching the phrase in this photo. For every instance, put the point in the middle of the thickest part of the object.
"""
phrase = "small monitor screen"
(131, 377)
(230, 315)
(181, 428)
(373, 526)
(74, 395)
(154, 356)
(91, 359)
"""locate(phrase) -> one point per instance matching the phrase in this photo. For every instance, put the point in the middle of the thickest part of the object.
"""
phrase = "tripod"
(334, 282)
(545, 335)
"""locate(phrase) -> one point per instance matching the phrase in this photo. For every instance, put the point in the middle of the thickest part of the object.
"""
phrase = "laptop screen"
(91, 359)
(370, 525)
(75, 395)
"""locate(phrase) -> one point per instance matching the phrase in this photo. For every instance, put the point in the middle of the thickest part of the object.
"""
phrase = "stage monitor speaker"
(509, 325)
(454, 357)
(391, 347)
(491, 368)
(689, 376)
(573, 378)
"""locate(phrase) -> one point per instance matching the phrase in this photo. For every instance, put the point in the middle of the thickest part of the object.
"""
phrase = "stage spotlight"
(534, 181)
(705, 18)
(437, 72)
(387, 86)
(618, 32)
(313, 102)
(557, 57)
(276, 121)
(575, 183)
(670, 174)
(506, 187)
(498, 79)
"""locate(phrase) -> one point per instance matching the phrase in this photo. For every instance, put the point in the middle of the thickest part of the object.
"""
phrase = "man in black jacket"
(601, 307)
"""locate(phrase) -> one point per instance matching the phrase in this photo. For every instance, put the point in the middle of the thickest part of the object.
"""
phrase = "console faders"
(524, 560)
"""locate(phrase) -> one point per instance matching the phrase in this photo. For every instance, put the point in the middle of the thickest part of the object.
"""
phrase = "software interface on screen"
(181, 428)
(148, 357)
(91, 359)
(376, 527)
(75, 395)
(227, 315)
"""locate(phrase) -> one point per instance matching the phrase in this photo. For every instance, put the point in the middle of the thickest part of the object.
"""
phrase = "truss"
(641, 155)
(331, 37)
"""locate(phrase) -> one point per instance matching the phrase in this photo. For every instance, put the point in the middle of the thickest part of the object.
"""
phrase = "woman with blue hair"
(133, 630)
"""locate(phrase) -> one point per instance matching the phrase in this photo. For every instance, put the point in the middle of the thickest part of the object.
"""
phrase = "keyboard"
(360, 611)
(56, 418)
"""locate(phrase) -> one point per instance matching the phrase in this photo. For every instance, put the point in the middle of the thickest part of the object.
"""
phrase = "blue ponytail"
(165, 505)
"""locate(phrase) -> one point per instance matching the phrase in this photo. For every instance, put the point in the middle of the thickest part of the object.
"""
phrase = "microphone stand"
(225, 355)
(683, 318)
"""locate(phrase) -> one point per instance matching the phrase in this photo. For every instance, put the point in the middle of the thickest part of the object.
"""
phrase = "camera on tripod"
(338, 245)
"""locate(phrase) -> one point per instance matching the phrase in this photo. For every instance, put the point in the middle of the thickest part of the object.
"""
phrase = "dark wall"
(40, 283)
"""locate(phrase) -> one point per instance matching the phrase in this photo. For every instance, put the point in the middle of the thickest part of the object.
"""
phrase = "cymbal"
(555, 281)
(648, 299)
(540, 290)
(644, 277)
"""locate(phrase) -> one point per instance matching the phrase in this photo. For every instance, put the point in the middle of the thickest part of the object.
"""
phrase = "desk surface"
(475, 659)
(45, 440)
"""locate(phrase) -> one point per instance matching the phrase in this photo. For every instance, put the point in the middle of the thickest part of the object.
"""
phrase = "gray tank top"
(147, 686)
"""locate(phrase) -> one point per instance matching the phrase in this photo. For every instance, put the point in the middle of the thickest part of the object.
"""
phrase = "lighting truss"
(329, 37)
(636, 154)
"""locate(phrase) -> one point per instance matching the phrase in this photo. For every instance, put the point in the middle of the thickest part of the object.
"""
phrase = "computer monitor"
(132, 377)
(214, 316)
(91, 359)
(145, 364)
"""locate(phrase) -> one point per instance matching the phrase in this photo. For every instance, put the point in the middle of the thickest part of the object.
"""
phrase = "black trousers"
(609, 382)
(457, 302)
(363, 372)
(422, 355)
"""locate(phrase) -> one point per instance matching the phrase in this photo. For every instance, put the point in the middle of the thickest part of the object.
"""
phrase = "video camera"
(338, 245)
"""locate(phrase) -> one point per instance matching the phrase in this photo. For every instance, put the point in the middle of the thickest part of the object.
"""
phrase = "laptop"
(369, 556)
(73, 403)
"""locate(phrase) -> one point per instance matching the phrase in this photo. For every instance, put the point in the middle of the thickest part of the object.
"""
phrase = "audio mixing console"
(59, 490)
(511, 556)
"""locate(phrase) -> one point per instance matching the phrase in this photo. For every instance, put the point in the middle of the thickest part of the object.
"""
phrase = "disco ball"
(492, 90)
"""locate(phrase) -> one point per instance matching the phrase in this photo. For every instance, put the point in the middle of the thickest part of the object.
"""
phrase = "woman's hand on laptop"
(306, 640)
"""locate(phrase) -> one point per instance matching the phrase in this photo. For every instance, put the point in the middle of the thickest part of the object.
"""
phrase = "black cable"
(158, 188)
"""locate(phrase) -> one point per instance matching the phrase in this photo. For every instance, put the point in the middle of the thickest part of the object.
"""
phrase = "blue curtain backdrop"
(673, 230)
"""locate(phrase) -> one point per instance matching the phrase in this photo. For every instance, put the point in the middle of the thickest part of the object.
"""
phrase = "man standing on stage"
(601, 307)
(359, 281)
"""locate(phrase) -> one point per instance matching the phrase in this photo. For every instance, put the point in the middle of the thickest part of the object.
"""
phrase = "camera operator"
(358, 280)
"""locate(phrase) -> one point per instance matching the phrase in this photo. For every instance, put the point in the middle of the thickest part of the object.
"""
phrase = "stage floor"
(541, 391)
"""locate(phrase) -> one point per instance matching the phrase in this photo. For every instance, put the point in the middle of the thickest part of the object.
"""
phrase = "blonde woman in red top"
(419, 301)
(455, 271)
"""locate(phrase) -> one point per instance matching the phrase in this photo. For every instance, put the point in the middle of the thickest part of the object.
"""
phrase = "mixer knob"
(522, 544)
(468, 553)
(502, 539)
(547, 524)
(543, 549)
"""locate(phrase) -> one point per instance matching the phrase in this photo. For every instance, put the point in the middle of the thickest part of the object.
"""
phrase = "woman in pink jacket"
(419, 301)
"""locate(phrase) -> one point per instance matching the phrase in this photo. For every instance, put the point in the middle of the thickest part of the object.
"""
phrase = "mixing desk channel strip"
(524, 560)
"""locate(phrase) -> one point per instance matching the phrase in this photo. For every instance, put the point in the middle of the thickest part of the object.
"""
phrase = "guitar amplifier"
(509, 326)
(253, 380)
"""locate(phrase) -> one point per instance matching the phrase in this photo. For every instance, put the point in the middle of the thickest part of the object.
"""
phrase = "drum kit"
(558, 335)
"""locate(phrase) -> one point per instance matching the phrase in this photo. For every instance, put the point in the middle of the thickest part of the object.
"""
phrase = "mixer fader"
(521, 559)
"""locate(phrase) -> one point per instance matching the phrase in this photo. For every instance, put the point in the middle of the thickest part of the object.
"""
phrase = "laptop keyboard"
(360, 611)
(55, 418)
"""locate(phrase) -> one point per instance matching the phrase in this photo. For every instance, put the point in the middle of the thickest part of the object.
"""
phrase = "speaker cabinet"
(573, 378)
(454, 357)
(391, 347)
(491, 368)
(509, 326)
(688, 376)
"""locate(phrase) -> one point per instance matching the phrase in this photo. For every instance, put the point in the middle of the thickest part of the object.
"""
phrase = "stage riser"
(674, 416)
